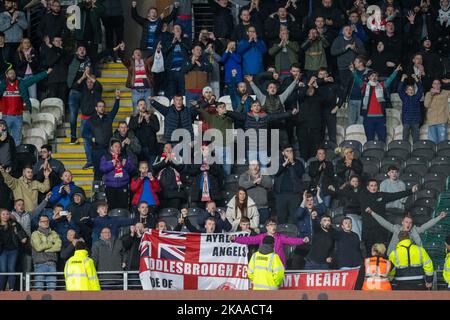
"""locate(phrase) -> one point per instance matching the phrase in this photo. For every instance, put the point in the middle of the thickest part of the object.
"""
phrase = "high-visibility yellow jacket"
(447, 269)
(266, 271)
(80, 273)
(411, 262)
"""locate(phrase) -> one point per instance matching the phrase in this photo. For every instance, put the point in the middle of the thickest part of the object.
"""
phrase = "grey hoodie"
(346, 56)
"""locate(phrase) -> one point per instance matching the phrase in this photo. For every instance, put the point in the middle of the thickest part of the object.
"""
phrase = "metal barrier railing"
(109, 280)
(17, 274)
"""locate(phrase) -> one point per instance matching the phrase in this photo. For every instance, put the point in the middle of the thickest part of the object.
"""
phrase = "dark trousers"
(308, 140)
(413, 129)
(375, 125)
(160, 82)
(57, 90)
(286, 205)
(329, 123)
(171, 203)
(118, 197)
(346, 80)
(97, 154)
(113, 26)
(175, 84)
(410, 285)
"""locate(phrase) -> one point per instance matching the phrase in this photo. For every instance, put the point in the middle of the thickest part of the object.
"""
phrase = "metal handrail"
(17, 274)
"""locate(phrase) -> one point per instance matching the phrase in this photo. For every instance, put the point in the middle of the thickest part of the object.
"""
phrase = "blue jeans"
(15, 127)
(311, 265)
(186, 26)
(374, 125)
(87, 140)
(74, 107)
(437, 133)
(224, 153)
(8, 260)
(97, 155)
(354, 111)
(32, 90)
(138, 94)
(264, 214)
(50, 280)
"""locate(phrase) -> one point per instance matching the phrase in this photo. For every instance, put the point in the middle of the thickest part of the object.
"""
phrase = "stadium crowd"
(287, 65)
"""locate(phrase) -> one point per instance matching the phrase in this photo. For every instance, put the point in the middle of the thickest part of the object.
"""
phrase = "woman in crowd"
(347, 165)
(26, 62)
(241, 205)
(436, 103)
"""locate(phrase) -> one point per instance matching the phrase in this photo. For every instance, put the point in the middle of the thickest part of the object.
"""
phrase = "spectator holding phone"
(145, 187)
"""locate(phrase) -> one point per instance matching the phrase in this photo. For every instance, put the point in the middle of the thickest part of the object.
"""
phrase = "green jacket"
(315, 56)
(45, 248)
(23, 86)
(216, 121)
(95, 16)
(292, 51)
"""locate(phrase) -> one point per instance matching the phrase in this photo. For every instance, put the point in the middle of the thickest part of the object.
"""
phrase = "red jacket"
(137, 184)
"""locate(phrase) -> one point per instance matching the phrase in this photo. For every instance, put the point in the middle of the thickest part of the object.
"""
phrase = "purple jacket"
(107, 168)
(280, 241)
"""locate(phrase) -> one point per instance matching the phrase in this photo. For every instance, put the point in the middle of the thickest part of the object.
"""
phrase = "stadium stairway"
(113, 76)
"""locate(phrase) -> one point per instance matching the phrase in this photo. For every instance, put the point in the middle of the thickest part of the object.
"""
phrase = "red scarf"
(205, 184)
(177, 174)
(118, 169)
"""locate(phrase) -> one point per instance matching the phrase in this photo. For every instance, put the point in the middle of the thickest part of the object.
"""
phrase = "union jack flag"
(172, 235)
(171, 252)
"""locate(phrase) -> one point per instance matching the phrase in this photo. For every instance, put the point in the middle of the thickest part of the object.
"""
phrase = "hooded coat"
(234, 214)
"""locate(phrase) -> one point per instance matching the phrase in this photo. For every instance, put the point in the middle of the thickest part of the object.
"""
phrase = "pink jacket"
(280, 241)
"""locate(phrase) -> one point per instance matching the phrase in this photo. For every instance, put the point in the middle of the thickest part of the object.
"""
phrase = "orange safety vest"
(376, 277)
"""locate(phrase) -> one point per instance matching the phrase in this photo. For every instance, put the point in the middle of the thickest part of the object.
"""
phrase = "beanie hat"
(269, 240)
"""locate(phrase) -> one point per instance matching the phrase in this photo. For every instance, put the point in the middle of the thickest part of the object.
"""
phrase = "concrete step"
(123, 103)
(72, 164)
(81, 172)
(110, 93)
(113, 65)
(70, 148)
(115, 80)
(70, 156)
(112, 73)
(61, 141)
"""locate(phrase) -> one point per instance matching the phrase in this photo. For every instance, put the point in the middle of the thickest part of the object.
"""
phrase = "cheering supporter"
(68, 248)
(265, 269)
(206, 38)
(373, 107)
(245, 22)
(54, 55)
(131, 255)
(45, 244)
(321, 172)
(177, 116)
(16, 100)
(25, 187)
(308, 211)
(315, 55)
(377, 269)
(251, 50)
(287, 185)
(46, 160)
(90, 31)
(436, 104)
(113, 21)
(144, 215)
(53, 22)
(279, 21)
(104, 221)
(322, 244)
(140, 78)
(207, 102)
(220, 218)
(223, 24)
(239, 95)
(130, 144)
(232, 64)
(391, 185)
(167, 169)
(117, 168)
(62, 221)
(12, 237)
(407, 225)
(145, 187)
(62, 193)
(383, 61)
(99, 127)
(410, 107)
(208, 177)
(108, 255)
(348, 251)
(209, 226)
(145, 125)
(26, 61)
(241, 205)
(13, 23)
(348, 165)
(257, 186)
(280, 239)
(355, 95)
(334, 17)
(7, 146)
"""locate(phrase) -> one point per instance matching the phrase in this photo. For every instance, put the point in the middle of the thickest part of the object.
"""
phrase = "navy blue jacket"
(410, 105)
(304, 222)
(221, 225)
(171, 114)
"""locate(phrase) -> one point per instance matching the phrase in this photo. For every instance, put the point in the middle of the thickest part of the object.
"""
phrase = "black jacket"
(215, 176)
(351, 205)
(322, 177)
(11, 237)
(223, 20)
(291, 175)
(58, 59)
(240, 31)
(169, 47)
(5, 194)
(168, 184)
(131, 251)
(20, 63)
(310, 111)
(89, 97)
(101, 128)
(51, 25)
(348, 251)
(146, 132)
(344, 172)
(272, 27)
(322, 244)
(148, 222)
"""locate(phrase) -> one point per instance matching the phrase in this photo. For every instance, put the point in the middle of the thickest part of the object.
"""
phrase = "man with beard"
(322, 244)
(12, 22)
(53, 23)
